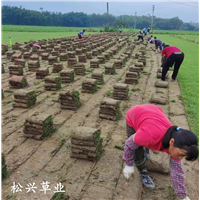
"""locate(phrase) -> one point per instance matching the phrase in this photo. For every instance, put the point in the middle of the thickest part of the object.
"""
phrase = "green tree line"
(22, 16)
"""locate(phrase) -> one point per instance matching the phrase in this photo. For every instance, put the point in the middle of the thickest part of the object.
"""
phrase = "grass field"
(194, 38)
(15, 28)
(188, 77)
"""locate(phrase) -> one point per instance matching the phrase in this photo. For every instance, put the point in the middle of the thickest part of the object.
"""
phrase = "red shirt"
(150, 124)
(170, 50)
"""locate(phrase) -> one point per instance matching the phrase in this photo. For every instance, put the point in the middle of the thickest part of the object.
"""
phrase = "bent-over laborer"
(158, 43)
(149, 128)
(174, 55)
(80, 34)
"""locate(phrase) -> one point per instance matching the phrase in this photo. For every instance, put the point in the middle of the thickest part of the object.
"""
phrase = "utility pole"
(135, 20)
(108, 13)
(153, 7)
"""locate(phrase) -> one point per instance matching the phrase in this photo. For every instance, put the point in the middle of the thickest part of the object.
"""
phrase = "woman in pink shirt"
(149, 128)
(174, 57)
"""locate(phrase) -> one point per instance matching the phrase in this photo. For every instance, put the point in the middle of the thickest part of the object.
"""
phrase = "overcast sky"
(187, 11)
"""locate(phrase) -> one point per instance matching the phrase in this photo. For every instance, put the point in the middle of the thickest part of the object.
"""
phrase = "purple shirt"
(177, 174)
(158, 42)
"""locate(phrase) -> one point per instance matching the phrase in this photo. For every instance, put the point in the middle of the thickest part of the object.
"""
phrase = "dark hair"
(183, 139)
(84, 30)
(154, 37)
(166, 45)
(151, 35)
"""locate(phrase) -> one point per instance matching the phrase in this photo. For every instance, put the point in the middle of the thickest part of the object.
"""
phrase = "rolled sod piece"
(161, 84)
(158, 98)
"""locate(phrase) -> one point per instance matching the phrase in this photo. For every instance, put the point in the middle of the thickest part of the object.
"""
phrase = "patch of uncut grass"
(24, 28)
(189, 37)
(26, 36)
(188, 78)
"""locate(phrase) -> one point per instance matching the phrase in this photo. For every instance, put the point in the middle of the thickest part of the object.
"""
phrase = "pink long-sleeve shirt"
(168, 51)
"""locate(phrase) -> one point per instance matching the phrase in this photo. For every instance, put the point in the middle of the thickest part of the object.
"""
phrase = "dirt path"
(49, 160)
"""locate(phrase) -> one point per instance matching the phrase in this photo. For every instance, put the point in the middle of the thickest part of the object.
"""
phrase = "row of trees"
(21, 16)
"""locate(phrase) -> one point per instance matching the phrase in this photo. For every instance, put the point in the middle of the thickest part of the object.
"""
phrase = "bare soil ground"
(29, 160)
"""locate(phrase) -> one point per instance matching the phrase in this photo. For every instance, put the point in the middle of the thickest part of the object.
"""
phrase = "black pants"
(140, 158)
(139, 36)
(174, 58)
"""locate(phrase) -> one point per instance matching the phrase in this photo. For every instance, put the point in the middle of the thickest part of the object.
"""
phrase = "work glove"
(128, 171)
(186, 198)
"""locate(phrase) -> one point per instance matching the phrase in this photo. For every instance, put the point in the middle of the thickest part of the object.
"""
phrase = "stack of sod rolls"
(120, 91)
(27, 55)
(131, 78)
(33, 65)
(18, 82)
(98, 76)
(34, 57)
(79, 69)
(38, 126)
(110, 68)
(21, 62)
(101, 59)
(52, 83)
(82, 58)
(45, 56)
(94, 63)
(89, 86)
(52, 60)
(69, 100)
(63, 56)
(16, 70)
(42, 72)
(118, 64)
(57, 67)
(67, 75)
(86, 143)
(110, 109)
(71, 62)
(24, 98)
(4, 171)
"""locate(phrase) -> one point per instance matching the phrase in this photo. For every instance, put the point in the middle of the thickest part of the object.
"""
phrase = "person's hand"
(128, 171)
(186, 198)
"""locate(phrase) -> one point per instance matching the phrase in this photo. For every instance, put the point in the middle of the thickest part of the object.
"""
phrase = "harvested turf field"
(36, 161)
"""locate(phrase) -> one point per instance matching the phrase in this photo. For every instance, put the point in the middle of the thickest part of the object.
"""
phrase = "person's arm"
(177, 176)
(129, 151)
